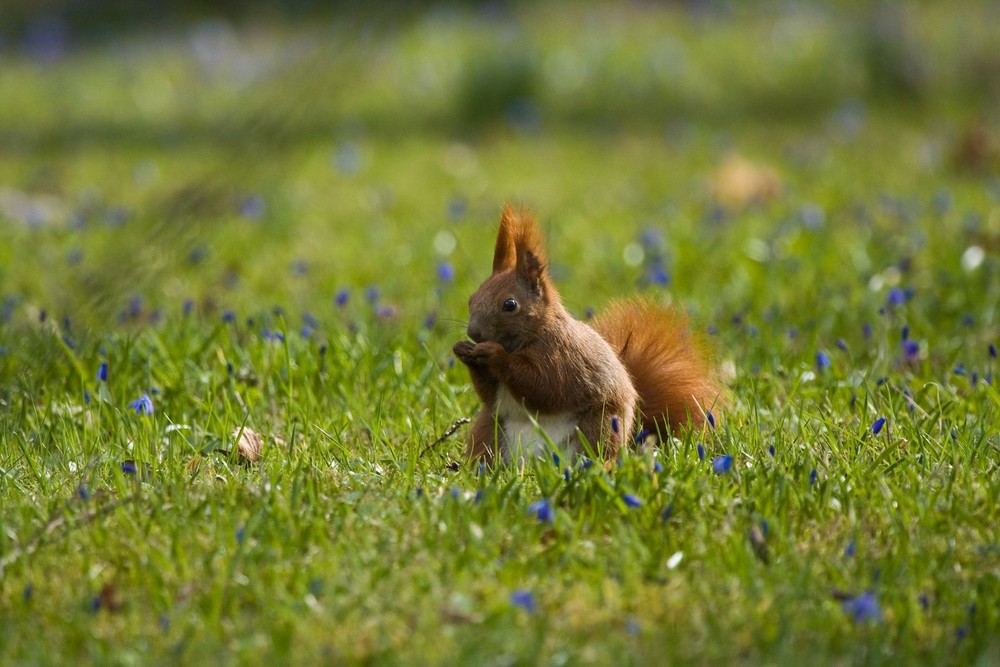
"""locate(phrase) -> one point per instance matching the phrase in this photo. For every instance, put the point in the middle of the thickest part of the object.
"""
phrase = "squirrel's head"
(512, 306)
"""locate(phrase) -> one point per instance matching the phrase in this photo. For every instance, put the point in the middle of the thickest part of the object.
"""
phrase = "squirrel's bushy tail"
(669, 364)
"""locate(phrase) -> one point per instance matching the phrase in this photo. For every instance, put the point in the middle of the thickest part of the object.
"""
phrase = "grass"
(275, 226)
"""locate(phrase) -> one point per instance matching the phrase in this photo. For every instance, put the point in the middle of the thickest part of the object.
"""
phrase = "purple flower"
(657, 466)
(445, 272)
(275, 336)
(770, 450)
(82, 493)
(866, 331)
(711, 418)
(631, 500)
(993, 351)
(877, 426)
(722, 464)
(615, 424)
(842, 345)
(252, 207)
(911, 349)
(542, 510)
(343, 295)
(229, 317)
(102, 372)
(822, 361)
(896, 297)
(701, 452)
(905, 333)
(586, 463)
(523, 599)
(129, 467)
(812, 476)
(862, 608)
(142, 405)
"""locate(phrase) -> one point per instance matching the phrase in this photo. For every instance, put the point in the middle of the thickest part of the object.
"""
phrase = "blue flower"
(83, 493)
(142, 405)
(445, 272)
(722, 464)
(555, 459)
(770, 450)
(701, 452)
(641, 436)
(524, 599)
(711, 418)
(253, 207)
(102, 372)
(566, 474)
(993, 351)
(877, 426)
(631, 500)
(275, 336)
(842, 345)
(862, 608)
(822, 361)
(241, 534)
(228, 317)
(812, 476)
(615, 424)
(343, 295)
(850, 549)
(372, 293)
(28, 592)
(586, 463)
(911, 349)
(128, 467)
(866, 331)
(542, 510)
(657, 466)
(896, 297)
(905, 333)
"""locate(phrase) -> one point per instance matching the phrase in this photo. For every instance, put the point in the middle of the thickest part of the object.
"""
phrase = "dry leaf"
(250, 444)
(738, 182)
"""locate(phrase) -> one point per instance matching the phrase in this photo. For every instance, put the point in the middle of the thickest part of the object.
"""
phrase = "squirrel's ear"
(532, 270)
(505, 253)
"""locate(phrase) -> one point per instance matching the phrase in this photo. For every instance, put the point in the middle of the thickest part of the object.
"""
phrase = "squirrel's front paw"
(477, 353)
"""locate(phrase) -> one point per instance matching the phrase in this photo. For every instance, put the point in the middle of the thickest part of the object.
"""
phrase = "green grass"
(186, 211)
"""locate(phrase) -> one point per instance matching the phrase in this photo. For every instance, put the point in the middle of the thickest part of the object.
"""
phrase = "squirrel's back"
(669, 364)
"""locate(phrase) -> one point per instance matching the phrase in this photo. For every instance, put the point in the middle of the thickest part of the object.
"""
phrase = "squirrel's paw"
(476, 353)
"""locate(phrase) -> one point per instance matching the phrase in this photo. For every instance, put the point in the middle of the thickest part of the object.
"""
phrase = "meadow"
(244, 224)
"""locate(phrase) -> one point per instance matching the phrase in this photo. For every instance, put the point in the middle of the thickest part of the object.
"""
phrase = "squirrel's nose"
(475, 333)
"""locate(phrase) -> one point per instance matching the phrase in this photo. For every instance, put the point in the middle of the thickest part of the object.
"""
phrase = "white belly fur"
(523, 437)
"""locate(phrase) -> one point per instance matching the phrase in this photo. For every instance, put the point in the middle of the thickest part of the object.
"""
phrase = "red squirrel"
(535, 367)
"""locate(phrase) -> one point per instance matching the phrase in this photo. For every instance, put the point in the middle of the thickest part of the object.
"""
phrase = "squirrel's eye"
(509, 306)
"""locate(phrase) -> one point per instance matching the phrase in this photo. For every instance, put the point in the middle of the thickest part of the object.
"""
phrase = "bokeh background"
(235, 156)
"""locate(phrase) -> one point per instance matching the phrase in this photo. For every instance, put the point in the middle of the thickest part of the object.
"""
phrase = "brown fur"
(535, 362)
(668, 364)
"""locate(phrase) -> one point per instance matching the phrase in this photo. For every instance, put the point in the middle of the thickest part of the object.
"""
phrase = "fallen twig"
(447, 434)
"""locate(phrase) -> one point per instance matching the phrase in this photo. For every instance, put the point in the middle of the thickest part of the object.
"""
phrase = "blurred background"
(233, 156)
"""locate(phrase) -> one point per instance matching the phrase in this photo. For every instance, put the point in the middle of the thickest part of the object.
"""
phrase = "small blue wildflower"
(86, 393)
(877, 426)
(274, 336)
(631, 500)
(616, 424)
(188, 307)
(241, 534)
(711, 418)
(770, 450)
(523, 599)
(657, 466)
(455, 492)
(102, 372)
(419, 492)
(904, 334)
(566, 474)
(252, 207)
(842, 345)
(641, 436)
(478, 497)
(812, 476)
(372, 293)
(722, 464)
(993, 351)
(911, 349)
(765, 527)
(542, 510)
(129, 467)
(228, 317)
(28, 592)
(342, 297)
(866, 331)
(657, 274)
(959, 369)
(822, 361)
(961, 632)
(555, 459)
(445, 272)
(925, 601)
(667, 512)
(142, 405)
(385, 312)
(881, 381)
(482, 469)
(586, 463)
(863, 608)
(896, 297)
(82, 493)
(701, 452)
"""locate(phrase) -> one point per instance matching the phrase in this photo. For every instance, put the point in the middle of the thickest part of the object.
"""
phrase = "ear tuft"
(505, 252)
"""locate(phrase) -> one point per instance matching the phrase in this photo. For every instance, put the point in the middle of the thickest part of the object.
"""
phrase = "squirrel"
(538, 370)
